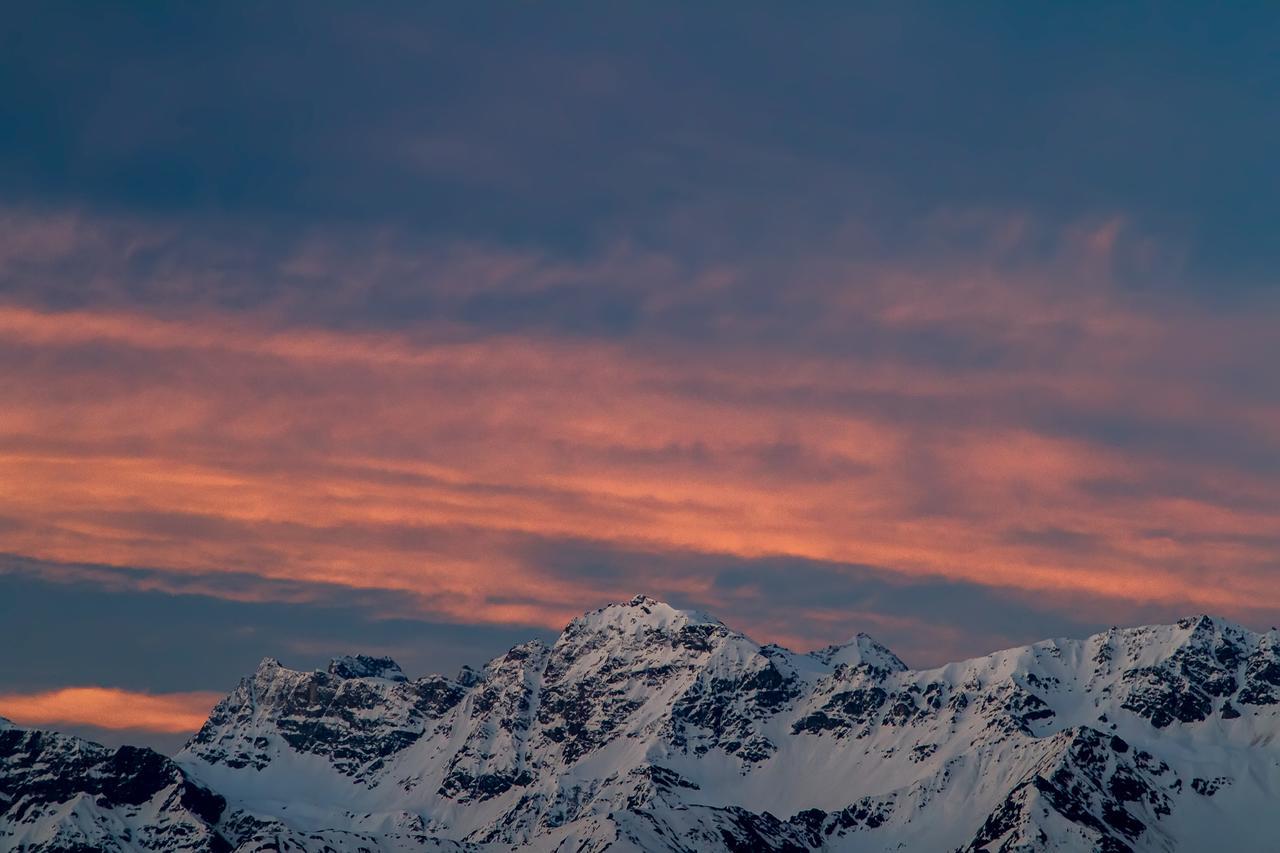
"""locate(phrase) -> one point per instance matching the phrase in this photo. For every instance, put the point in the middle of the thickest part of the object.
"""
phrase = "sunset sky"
(418, 330)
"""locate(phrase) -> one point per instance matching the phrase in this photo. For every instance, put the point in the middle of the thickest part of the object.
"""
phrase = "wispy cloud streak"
(983, 417)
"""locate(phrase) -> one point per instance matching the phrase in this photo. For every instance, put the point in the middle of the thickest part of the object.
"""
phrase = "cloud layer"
(1008, 416)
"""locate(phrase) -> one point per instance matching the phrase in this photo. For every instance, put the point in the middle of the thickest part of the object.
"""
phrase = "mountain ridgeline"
(648, 728)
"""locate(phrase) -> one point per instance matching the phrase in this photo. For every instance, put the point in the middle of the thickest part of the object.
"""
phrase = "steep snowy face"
(1188, 672)
(644, 727)
(61, 793)
(494, 728)
(654, 674)
(1089, 791)
(861, 653)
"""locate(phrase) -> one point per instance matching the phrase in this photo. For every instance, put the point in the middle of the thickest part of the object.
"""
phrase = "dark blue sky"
(565, 128)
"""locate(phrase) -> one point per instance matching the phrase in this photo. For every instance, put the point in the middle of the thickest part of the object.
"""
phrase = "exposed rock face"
(61, 793)
(648, 728)
(356, 714)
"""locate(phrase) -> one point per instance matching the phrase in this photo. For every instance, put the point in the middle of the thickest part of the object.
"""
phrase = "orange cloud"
(109, 708)
(421, 460)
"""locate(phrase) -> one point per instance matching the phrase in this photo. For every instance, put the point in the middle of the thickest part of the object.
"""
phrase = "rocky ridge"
(644, 727)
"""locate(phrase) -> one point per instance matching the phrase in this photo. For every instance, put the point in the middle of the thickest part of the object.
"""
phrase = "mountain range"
(645, 727)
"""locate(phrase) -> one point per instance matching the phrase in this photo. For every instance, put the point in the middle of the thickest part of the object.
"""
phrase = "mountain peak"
(267, 665)
(365, 666)
(642, 613)
(862, 650)
(468, 677)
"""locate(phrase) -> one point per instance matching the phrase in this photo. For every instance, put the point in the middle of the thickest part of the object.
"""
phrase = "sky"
(418, 329)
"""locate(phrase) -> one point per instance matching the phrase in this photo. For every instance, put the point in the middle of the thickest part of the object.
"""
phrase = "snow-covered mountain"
(649, 728)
